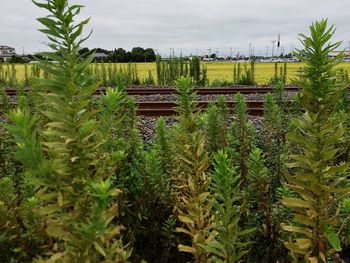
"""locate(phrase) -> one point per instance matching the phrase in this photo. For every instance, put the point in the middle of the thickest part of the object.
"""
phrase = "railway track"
(255, 108)
(207, 91)
(157, 108)
(200, 91)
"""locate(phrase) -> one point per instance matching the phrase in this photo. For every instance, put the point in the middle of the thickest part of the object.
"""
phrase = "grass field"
(216, 70)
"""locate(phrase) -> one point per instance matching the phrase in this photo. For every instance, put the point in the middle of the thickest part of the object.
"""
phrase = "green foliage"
(344, 220)
(224, 116)
(319, 178)
(280, 76)
(242, 135)
(342, 79)
(247, 77)
(194, 208)
(263, 210)
(189, 174)
(162, 146)
(69, 200)
(227, 244)
(275, 127)
(168, 72)
(4, 100)
(109, 74)
(217, 83)
(216, 126)
(2, 75)
(211, 129)
(150, 210)
(77, 182)
(186, 106)
(149, 80)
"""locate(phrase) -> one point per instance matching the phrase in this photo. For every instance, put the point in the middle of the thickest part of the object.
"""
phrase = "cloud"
(182, 24)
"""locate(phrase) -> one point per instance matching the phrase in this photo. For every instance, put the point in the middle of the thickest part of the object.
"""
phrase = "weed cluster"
(77, 184)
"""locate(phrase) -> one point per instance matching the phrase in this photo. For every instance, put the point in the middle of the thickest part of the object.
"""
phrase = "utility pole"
(273, 47)
(217, 54)
(267, 52)
(230, 53)
(250, 50)
(181, 53)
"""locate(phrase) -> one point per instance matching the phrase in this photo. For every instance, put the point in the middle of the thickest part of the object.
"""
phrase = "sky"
(191, 26)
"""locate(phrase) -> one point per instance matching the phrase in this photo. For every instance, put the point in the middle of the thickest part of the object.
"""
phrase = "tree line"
(137, 54)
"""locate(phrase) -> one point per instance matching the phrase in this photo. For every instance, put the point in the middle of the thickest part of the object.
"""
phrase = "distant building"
(101, 55)
(337, 52)
(6, 53)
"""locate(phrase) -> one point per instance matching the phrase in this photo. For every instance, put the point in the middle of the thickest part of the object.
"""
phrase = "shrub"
(68, 208)
(318, 179)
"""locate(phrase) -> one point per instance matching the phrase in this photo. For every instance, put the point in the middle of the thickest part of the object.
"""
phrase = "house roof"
(100, 55)
(6, 55)
(6, 47)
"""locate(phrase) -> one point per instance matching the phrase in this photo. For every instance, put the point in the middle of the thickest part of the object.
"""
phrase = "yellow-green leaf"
(60, 198)
(185, 219)
(183, 248)
(99, 249)
(294, 202)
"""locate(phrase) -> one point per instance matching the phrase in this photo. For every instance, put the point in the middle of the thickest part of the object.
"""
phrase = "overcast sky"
(182, 24)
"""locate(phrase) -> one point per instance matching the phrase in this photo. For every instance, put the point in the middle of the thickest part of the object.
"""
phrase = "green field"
(216, 70)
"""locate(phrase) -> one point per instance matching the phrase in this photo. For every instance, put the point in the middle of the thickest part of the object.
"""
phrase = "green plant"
(162, 146)
(149, 80)
(220, 83)
(344, 218)
(318, 179)
(280, 77)
(195, 71)
(194, 208)
(186, 105)
(275, 127)
(211, 128)
(244, 78)
(224, 116)
(171, 70)
(226, 244)
(242, 135)
(216, 122)
(190, 174)
(69, 200)
(4, 100)
(263, 210)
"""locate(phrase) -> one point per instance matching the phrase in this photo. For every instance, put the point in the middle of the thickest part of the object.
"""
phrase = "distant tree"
(129, 57)
(83, 50)
(120, 55)
(101, 50)
(213, 56)
(138, 54)
(18, 59)
(150, 56)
